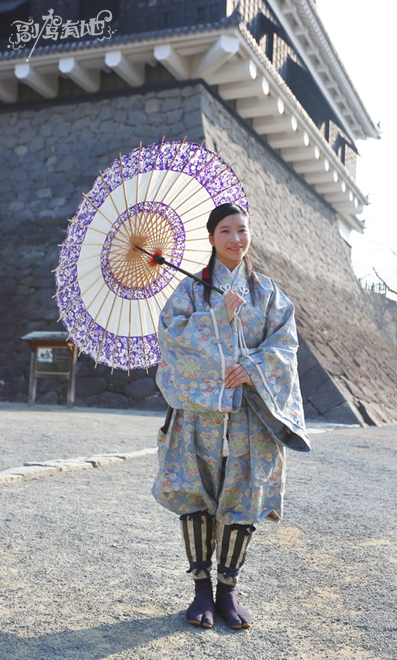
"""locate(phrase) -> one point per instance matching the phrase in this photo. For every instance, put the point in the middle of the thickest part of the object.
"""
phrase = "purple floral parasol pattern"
(158, 198)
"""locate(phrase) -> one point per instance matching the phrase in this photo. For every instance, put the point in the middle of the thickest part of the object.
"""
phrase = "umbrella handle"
(158, 259)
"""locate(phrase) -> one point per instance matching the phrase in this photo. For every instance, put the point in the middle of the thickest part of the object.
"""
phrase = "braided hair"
(217, 214)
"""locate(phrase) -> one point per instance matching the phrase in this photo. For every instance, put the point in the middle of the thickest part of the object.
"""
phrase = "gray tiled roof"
(70, 46)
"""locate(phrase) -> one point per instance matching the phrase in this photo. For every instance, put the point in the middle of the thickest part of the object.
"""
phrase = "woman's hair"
(217, 214)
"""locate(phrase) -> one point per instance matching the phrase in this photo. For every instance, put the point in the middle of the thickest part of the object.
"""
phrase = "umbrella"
(143, 219)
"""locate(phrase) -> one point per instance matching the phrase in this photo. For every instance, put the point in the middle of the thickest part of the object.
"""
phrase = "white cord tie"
(223, 364)
(225, 451)
(241, 339)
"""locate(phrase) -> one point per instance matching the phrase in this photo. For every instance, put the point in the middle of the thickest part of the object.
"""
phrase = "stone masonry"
(48, 157)
(51, 154)
(348, 362)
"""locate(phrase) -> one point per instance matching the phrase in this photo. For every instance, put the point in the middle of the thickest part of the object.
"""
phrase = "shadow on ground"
(102, 641)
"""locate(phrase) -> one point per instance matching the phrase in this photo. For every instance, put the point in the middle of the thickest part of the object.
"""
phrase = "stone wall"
(297, 242)
(384, 314)
(50, 155)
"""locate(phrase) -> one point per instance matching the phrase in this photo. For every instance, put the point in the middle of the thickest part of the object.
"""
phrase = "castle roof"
(287, 104)
(306, 30)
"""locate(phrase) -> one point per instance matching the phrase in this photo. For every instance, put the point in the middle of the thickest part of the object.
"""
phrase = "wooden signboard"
(53, 355)
(52, 360)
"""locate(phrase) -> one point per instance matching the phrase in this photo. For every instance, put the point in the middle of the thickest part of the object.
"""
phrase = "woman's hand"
(237, 375)
(232, 301)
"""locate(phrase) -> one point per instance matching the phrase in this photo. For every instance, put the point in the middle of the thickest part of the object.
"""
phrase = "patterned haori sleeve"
(273, 367)
(197, 347)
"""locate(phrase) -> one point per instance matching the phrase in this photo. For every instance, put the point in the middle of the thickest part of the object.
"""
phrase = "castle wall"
(297, 242)
(50, 155)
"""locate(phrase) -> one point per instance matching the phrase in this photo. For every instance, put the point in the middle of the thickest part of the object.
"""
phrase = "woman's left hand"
(237, 375)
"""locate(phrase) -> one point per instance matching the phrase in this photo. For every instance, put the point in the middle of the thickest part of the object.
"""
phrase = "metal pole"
(72, 377)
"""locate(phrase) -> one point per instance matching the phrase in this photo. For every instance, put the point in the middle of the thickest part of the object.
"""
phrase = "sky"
(364, 36)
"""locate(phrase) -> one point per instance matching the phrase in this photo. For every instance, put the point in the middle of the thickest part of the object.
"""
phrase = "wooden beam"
(347, 196)
(348, 208)
(301, 153)
(245, 88)
(322, 176)
(300, 140)
(347, 221)
(315, 166)
(89, 80)
(286, 8)
(277, 125)
(46, 86)
(343, 198)
(178, 66)
(232, 72)
(340, 206)
(132, 74)
(332, 187)
(8, 90)
(330, 85)
(219, 53)
(251, 108)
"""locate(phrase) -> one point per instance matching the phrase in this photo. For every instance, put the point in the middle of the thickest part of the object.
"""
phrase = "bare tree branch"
(393, 251)
(385, 283)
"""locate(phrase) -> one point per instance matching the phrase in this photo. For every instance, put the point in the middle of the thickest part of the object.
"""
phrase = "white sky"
(364, 35)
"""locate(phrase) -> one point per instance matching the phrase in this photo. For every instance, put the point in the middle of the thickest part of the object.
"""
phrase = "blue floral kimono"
(224, 449)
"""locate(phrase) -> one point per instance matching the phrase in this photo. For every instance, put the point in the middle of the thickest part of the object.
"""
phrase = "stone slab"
(67, 467)
(9, 478)
(310, 411)
(102, 461)
(326, 397)
(312, 380)
(43, 468)
(306, 359)
(30, 471)
(343, 414)
(133, 454)
(61, 463)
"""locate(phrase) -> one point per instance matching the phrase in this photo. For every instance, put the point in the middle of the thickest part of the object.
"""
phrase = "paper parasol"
(157, 198)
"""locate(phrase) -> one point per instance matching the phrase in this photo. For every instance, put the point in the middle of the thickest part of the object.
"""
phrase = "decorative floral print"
(248, 485)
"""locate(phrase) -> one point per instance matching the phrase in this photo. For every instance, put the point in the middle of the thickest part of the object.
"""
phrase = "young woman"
(229, 375)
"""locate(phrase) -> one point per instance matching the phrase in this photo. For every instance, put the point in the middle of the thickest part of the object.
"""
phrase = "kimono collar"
(229, 279)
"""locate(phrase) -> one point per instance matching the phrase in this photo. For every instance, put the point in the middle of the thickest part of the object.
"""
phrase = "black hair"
(217, 214)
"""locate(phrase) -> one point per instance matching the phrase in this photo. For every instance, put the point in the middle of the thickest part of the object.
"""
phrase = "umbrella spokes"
(136, 232)
(157, 258)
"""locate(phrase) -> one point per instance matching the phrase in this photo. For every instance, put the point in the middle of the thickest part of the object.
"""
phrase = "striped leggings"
(201, 533)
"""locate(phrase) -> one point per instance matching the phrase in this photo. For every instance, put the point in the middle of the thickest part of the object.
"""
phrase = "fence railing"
(374, 287)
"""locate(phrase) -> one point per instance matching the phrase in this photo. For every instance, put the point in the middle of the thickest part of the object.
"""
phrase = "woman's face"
(231, 239)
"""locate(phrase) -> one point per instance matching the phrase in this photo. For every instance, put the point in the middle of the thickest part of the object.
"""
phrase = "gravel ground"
(92, 568)
(48, 432)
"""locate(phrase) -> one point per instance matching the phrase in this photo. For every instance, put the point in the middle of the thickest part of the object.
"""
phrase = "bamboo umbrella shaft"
(160, 260)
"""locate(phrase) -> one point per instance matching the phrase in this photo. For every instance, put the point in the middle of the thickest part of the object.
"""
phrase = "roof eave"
(230, 58)
(311, 41)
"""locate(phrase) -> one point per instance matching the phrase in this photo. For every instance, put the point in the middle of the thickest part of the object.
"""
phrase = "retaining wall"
(51, 154)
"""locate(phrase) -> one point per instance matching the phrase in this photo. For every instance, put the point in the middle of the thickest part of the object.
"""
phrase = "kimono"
(223, 449)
